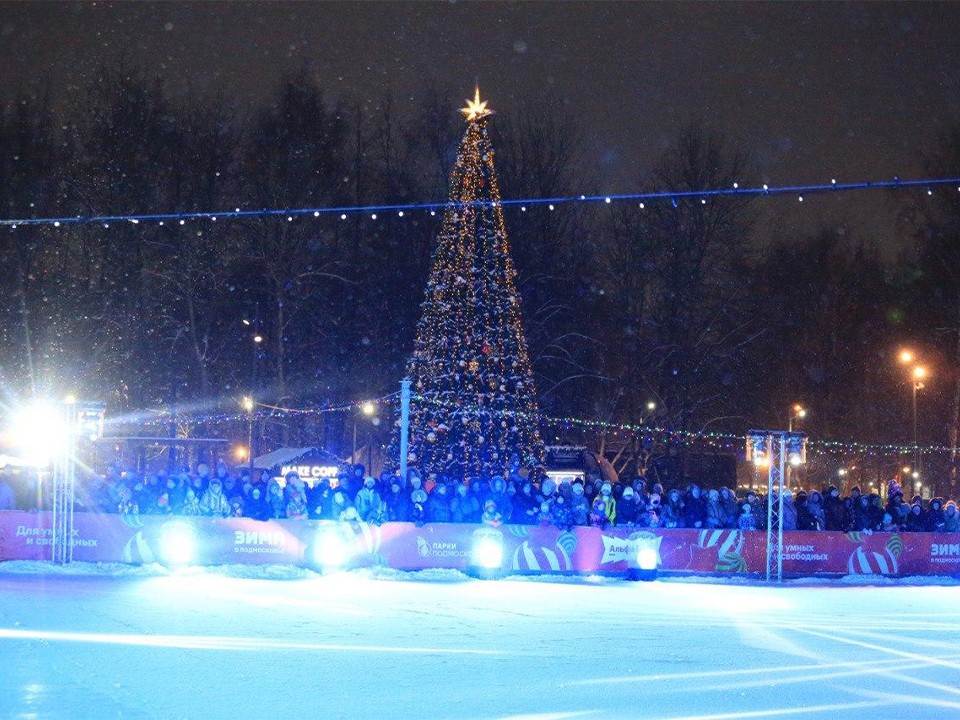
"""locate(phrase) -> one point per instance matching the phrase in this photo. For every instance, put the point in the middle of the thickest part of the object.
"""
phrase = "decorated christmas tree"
(474, 407)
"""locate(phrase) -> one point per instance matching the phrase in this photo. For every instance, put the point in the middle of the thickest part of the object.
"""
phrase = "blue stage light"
(178, 544)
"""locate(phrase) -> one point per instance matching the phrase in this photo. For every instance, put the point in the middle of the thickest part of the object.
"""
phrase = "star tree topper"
(476, 109)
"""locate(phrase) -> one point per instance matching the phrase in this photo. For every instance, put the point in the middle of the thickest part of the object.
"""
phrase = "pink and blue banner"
(405, 546)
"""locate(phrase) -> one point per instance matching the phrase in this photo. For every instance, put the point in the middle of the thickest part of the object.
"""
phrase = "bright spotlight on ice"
(647, 558)
(330, 550)
(646, 561)
(487, 553)
(178, 543)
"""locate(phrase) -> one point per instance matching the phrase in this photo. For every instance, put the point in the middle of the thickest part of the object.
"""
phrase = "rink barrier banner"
(405, 546)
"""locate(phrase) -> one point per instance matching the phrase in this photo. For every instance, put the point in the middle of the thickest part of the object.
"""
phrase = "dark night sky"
(814, 90)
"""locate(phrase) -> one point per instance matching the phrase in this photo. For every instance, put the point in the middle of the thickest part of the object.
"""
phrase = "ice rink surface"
(101, 642)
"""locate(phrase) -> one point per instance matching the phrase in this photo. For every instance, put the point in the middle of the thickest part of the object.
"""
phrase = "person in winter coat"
(214, 502)
(951, 517)
(176, 490)
(146, 492)
(916, 521)
(849, 510)
(672, 514)
(862, 515)
(562, 508)
(833, 509)
(368, 503)
(747, 520)
(627, 508)
(525, 505)
(935, 516)
(730, 508)
(579, 505)
(437, 508)
(609, 502)
(397, 502)
(545, 516)
(815, 509)
(590, 490)
(897, 508)
(464, 507)
(339, 504)
(297, 506)
(491, 516)
(127, 505)
(651, 516)
(789, 510)
(598, 513)
(694, 507)
(255, 504)
(888, 525)
(191, 505)
(804, 519)
(758, 507)
(498, 493)
(714, 509)
(418, 505)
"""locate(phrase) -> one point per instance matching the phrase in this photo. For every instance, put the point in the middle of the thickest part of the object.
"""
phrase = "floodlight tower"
(775, 450)
(79, 420)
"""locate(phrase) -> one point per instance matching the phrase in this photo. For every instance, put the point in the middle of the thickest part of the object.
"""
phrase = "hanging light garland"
(652, 434)
(410, 210)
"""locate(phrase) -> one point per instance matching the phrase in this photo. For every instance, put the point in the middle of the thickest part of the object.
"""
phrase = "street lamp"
(249, 405)
(368, 409)
(916, 382)
(797, 412)
(917, 375)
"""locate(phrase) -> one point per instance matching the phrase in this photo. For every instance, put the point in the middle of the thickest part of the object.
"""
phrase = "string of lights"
(432, 208)
(655, 434)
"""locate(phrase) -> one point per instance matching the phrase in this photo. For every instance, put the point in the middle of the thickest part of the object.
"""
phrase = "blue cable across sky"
(345, 211)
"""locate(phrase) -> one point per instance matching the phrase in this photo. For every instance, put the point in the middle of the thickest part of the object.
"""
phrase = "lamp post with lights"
(797, 412)
(918, 373)
(249, 406)
(368, 409)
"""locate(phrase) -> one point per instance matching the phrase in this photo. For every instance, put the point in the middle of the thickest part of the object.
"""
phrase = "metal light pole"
(796, 412)
(249, 405)
(404, 426)
(368, 409)
(775, 450)
(915, 381)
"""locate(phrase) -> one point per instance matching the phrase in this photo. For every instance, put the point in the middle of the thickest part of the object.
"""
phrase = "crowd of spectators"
(221, 492)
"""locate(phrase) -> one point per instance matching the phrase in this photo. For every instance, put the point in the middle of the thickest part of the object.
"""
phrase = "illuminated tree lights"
(475, 406)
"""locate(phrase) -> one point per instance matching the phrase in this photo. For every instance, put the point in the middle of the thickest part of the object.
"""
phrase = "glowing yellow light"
(476, 109)
(247, 404)
(241, 452)
(919, 372)
(906, 356)
(369, 408)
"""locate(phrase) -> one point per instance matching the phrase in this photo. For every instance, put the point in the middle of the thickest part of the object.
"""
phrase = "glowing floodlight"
(40, 432)
(646, 558)
(331, 551)
(178, 544)
(486, 553)
(796, 445)
(757, 448)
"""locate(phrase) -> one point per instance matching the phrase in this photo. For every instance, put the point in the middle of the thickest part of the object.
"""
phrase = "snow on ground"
(92, 641)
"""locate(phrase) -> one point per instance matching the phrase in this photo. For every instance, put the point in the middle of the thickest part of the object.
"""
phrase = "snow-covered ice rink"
(94, 642)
